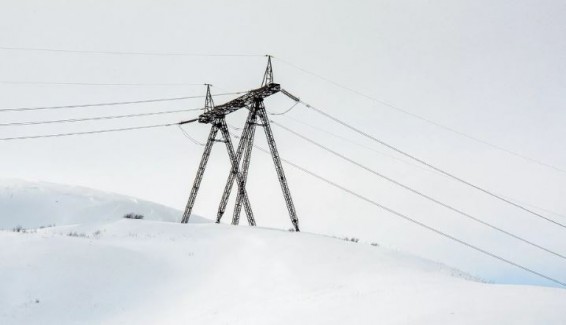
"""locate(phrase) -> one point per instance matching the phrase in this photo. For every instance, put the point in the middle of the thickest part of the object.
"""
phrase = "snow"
(35, 204)
(119, 271)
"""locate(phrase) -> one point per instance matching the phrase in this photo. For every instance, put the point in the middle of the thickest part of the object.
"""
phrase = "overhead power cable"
(391, 180)
(427, 120)
(86, 132)
(540, 208)
(356, 143)
(48, 83)
(352, 142)
(411, 163)
(483, 251)
(143, 101)
(285, 111)
(418, 223)
(479, 188)
(112, 117)
(95, 131)
(59, 50)
(193, 140)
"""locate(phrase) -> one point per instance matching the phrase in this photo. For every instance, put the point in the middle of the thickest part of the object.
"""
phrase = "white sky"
(495, 70)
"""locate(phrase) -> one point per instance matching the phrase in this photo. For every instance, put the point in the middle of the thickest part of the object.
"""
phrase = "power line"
(426, 163)
(352, 142)
(48, 83)
(439, 232)
(59, 50)
(98, 118)
(285, 111)
(86, 132)
(95, 131)
(401, 160)
(193, 140)
(389, 179)
(358, 144)
(447, 128)
(540, 208)
(19, 109)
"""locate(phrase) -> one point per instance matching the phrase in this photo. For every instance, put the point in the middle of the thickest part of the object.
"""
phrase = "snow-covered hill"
(95, 267)
(147, 272)
(35, 204)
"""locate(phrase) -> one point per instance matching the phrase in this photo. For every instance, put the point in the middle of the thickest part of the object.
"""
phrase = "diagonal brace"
(249, 141)
(232, 175)
(235, 170)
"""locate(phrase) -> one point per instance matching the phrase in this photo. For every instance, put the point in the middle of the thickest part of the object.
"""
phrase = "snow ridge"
(35, 204)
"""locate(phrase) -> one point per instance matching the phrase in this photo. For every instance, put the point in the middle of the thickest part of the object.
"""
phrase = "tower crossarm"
(240, 102)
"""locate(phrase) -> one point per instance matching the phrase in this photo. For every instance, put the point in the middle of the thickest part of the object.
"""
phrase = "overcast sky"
(494, 70)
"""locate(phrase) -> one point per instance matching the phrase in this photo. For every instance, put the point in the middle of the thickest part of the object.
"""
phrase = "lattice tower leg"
(200, 173)
(278, 167)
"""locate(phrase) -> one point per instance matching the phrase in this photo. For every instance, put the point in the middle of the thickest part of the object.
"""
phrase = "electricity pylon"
(216, 117)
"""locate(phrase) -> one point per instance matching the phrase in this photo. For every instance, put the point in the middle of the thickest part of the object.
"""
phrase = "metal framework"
(216, 116)
(208, 102)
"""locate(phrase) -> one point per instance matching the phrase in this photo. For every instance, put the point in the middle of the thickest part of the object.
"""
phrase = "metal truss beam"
(240, 102)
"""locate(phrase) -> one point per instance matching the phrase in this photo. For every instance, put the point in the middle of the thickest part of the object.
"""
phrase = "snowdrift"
(147, 272)
(95, 267)
(37, 204)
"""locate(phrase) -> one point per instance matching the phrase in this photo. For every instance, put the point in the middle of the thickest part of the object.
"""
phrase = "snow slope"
(36, 204)
(147, 272)
(96, 267)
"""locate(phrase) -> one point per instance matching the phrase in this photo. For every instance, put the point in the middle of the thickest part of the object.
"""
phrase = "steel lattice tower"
(216, 116)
